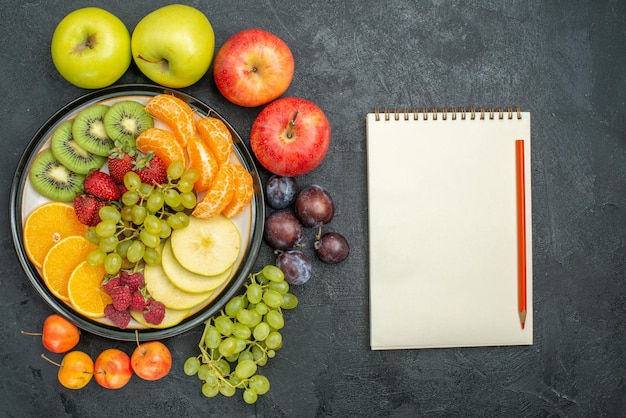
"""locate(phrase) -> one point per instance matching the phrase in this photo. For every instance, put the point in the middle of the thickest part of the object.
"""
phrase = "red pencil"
(521, 231)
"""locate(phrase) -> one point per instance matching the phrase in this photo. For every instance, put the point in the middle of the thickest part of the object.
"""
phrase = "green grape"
(203, 371)
(281, 287)
(184, 186)
(178, 220)
(234, 305)
(91, 235)
(262, 361)
(223, 366)
(272, 298)
(96, 257)
(175, 170)
(138, 214)
(112, 263)
(275, 319)
(152, 257)
(165, 230)
(152, 224)
(274, 340)
(261, 331)
(210, 391)
(172, 198)
(250, 396)
(188, 199)
(149, 239)
(212, 338)
(261, 308)
(227, 390)
(130, 198)
(257, 353)
(126, 213)
(241, 345)
(234, 380)
(212, 379)
(191, 366)
(290, 301)
(106, 228)
(233, 357)
(255, 318)
(108, 244)
(132, 181)
(135, 251)
(245, 369)
(122, 248)
(254, 293)
(155, 201)
(145, 189)
(244, 316)
(228, 346)
(273, 273)
(241, 331)
(271, 353)
(191, 175)
(245, 355)
(224, 325)
(109, 213)
(260, 384)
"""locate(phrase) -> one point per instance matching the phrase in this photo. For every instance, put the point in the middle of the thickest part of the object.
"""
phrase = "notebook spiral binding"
(472, 112)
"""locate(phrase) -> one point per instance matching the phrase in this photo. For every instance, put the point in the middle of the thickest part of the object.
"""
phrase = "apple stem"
(292, 125)
(51, 361)
(32, 333)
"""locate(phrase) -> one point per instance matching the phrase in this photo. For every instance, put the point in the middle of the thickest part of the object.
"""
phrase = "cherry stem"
(51, 361)
(292, 126)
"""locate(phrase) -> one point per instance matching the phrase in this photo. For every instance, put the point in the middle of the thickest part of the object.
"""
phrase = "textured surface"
(564, 62)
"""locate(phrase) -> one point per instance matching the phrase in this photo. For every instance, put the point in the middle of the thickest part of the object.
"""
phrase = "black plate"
(21, 199)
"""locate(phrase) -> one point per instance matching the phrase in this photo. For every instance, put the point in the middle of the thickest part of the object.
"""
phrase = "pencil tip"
(522, 318)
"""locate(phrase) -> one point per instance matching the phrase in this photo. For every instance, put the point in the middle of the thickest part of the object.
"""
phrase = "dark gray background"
(561, 60)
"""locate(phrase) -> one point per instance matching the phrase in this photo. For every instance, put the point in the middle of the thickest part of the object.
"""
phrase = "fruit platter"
(161, 187)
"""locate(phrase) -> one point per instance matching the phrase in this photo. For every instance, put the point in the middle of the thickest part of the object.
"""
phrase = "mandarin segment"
(84, 290)
(217, 136)
(175, 113)
(61, 261)
(202, 159)
(162, 143)
(46, 225)
(243, 190)
(218, 196)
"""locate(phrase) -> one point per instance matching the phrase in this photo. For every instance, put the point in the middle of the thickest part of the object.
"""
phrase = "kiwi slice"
(67, 150)
(89, 131)
(125, 120)
(54, 180)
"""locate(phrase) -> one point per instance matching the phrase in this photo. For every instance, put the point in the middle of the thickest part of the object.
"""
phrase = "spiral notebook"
(450, 228)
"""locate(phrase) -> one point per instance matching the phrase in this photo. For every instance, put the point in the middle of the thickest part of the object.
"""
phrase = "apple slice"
(206, 246)
(161, 289)
(172, 317)
(185, 279)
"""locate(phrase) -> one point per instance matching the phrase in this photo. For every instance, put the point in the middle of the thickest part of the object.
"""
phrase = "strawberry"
(87, 207)
(121, 297)
(119, 164)
(154, 313)
(151, 169)
(119, 318)
(101, 185)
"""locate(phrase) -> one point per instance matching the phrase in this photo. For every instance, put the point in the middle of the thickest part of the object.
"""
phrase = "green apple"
(91, 48)
(173, 46)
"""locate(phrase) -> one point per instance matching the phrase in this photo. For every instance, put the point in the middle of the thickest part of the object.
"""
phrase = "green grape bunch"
(132, 228)
(242, 337)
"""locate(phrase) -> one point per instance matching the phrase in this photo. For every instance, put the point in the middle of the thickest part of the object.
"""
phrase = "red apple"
(59, 335)
(290, 136)
(112, 369)
(253, 67)
(151, 360)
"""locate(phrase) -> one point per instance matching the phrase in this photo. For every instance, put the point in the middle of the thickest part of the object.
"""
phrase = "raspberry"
(139, 301)
(154, 313)
(134, 281)
(110, 282)
(119, 318)
(121, 296)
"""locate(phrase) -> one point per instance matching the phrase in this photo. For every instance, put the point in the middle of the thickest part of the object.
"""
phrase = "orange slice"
(218, 196)
(202, 159)
(243, 189)
(162, 143)
(47, 225)
(61, 260)
(86, 295)
(175, 113)
(217, 136)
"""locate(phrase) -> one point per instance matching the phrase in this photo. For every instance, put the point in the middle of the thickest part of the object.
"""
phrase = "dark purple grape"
(280, 191)
(314, 206)
(282, 230)
(295, 265)
(332, 248)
